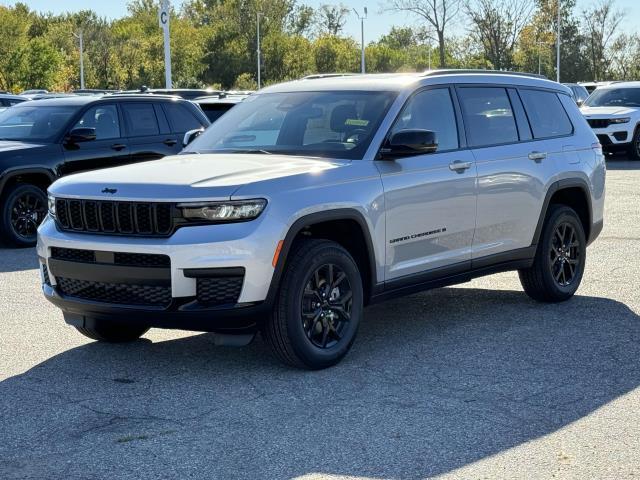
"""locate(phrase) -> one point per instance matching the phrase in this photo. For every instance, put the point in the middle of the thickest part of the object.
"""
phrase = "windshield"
(31, 123)
(614, 97)
(338, 124)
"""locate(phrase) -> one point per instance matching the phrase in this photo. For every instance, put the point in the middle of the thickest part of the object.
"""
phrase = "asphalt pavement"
(475, 381)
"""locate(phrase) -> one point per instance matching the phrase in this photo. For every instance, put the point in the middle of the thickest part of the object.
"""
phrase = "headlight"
(52, 205)
(232, 211)
(620, 120)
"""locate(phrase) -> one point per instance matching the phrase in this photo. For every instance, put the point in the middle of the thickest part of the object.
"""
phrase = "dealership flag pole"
(163, 18)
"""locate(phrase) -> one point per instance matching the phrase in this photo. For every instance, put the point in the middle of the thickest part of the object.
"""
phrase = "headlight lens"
(52, 205)
(621, 120)
(232, 211)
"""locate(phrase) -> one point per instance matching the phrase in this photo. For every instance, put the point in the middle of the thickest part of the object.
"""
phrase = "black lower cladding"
(117, 293)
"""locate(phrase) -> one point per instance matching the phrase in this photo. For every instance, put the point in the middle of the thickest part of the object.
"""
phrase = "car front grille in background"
(598, 122)
(218, 290)
(115, 218)
(117, 293)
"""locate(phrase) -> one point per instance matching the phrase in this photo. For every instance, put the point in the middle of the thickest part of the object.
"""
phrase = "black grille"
(604, 140)
(45, 274)
(218, 290)
(118, 293)
(119, 258)
(117, 218)
(598, 122)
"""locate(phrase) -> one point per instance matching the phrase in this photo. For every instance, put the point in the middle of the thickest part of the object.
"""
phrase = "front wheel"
(318, 308)
(112, 332)
(634, 148)
(24, 207)
(559, 263)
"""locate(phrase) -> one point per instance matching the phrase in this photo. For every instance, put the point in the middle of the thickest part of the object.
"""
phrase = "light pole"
(362, 19)
(258, 15)
(80, 37)
(558, 46)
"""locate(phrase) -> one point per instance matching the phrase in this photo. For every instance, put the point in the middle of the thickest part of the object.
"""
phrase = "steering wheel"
(354, 136)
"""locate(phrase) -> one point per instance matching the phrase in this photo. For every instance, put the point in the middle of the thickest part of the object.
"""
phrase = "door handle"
(537, 156)
(459, 166)
(118, 146)
(170, 142)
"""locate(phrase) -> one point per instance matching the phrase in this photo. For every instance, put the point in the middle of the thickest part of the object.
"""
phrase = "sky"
(378, 23)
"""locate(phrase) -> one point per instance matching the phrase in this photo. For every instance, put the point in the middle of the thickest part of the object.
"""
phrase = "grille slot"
(119, 258)
(45, 274)
(116, 218)
(73, 255)
(598, 122)
(219, 290)
(117, 293)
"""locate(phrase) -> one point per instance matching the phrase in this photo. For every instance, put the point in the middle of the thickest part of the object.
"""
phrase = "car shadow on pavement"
(622, 163)
(435, 381)
(17, 259)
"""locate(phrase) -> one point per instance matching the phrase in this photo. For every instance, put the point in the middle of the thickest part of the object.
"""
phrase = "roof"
(80, 100)
(220, 100)
(401, 81)
(612, 85)
(13, 97)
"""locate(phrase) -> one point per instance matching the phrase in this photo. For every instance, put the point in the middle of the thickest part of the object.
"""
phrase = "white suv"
(613, 111)
(312, 199)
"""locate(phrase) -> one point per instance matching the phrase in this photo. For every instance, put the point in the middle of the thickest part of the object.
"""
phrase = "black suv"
(46, 139)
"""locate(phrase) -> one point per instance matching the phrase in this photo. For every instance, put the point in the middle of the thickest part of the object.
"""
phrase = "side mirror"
(191, 135)
(409, 143)
(580, 102)
(79, 135)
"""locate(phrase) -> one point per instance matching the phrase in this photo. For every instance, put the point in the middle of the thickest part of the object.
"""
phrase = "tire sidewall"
(310, 354)
(8, 233)
(559, 216)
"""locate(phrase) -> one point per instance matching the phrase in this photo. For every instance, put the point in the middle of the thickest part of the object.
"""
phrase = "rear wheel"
(560, 258)
(112, 332)
(318, 308)
(24, 207)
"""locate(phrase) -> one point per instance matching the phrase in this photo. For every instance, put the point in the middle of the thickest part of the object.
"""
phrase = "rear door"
(109, 149)
(430, 199)
(148, 132)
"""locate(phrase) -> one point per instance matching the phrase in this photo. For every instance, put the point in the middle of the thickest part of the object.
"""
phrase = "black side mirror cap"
(409, 143)
(83, 134)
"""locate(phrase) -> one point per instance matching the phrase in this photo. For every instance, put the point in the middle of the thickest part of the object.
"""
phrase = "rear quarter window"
(180, 118)
(547, 116)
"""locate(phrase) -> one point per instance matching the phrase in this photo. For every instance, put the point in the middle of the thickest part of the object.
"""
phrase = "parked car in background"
(579, 93)
(34, 91)
(186, 93)
(8, 100)
(216, 106)
(311, 199)
(592, 86)
(613, 112)
(42, 140)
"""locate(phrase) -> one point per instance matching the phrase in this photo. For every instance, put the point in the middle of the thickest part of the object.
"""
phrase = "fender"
(553, 189)
(311, 219)
(17, 171)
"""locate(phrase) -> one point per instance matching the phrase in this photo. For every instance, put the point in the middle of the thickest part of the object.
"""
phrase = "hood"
(595, 112)
(184, 178)
(10, 146)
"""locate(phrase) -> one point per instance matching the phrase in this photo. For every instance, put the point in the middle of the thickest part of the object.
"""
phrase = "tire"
(112, 332)
(634, 148)
(295, 331)
(559, 262)
(24, 207)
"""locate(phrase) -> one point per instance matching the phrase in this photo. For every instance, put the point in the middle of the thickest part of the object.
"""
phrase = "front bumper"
(195, 255)
(615, 137)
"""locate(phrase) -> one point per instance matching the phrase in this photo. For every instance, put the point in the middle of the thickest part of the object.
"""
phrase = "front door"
(430, 199)
(109, 149)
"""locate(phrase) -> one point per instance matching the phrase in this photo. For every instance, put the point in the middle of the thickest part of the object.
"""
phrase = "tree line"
(213, 42)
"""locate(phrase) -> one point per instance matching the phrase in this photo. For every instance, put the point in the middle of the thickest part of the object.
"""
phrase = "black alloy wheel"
(564, 255)
(326, 305)
(24, 207)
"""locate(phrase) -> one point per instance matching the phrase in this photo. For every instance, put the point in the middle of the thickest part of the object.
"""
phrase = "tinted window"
(614, 97)
(488, 116)
(34, 123)
(546, 114)
(104, 118)
(431, 110)
(141, 119)
(215, 110)
(181, 119)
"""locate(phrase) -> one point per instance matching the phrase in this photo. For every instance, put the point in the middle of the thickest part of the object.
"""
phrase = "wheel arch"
(574, 193)
(317, 225)
(38, 176)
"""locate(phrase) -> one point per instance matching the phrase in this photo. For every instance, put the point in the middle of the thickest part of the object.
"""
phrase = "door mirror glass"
(191, 135)
(408, 143)
(83, 134)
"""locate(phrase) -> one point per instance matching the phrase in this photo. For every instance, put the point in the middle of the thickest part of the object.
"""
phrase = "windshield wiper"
(252, 150)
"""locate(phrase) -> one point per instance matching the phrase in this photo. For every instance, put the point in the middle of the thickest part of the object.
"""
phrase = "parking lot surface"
(475, 381)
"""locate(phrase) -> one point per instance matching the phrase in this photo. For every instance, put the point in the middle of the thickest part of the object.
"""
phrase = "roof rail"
(317, 76)
(453, 71)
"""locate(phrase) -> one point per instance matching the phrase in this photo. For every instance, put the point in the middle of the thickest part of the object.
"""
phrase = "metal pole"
(362, 44)
(167, 58)
(558, 46)
(539, 59)
(81, 60)
(258, 49)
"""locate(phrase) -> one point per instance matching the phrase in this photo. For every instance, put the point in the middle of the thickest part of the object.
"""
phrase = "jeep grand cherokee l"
(312, 199)
(42, 140)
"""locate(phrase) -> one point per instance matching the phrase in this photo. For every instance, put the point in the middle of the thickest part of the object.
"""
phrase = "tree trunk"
(441, 48)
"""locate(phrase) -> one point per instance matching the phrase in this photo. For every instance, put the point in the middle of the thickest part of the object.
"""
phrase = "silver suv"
(312, 199)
